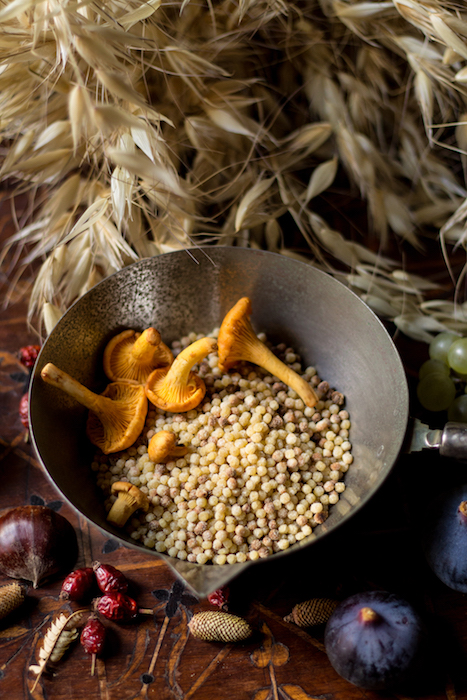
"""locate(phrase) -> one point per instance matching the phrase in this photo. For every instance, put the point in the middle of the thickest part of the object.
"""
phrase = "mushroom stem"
(177, 388)
(129, 500)
(116, 417)
(277, 368)
(179, 372)
(144, 346)
(61, 380)
(121, 509)
(237, 341)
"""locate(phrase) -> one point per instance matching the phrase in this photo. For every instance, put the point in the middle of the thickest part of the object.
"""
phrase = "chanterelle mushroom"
(237, 341)
(133, 355)
(162, 445)
(116, 417)
(129, 499)
(177, 388)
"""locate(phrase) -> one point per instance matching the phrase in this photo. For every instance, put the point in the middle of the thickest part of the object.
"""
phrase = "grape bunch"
(442, 384)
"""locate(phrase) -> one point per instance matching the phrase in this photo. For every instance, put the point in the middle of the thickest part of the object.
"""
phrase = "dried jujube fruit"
(109, 578)
(220, 598)
(77, 584)
(28, 355)
(116, 606)
(36, 543)
(23, 410)
(92, 639)
(375, 640)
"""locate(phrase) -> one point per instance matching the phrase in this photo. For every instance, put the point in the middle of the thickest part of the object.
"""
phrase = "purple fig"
(444, 538)
(374, 640)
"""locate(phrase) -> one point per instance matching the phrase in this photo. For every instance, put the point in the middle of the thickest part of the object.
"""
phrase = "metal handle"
(453, 440)
(450, 441)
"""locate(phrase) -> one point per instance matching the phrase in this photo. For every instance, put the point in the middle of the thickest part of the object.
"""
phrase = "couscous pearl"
(262, 469)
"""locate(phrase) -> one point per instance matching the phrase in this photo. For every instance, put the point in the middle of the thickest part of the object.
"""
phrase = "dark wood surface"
(155, 657)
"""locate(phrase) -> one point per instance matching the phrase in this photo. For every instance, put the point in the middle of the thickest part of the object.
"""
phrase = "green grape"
(433, 366)
(436, 392)
(439, 346)
(457, 411)
(457, 356)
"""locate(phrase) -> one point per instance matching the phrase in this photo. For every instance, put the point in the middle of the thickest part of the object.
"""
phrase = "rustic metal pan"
(328, 325)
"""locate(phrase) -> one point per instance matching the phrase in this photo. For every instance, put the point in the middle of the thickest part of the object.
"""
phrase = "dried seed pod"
(312, 612)
(61, 633)
(217, 626)
(11, 597)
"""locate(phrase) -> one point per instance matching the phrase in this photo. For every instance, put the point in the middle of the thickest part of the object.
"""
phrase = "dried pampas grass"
(139, 128)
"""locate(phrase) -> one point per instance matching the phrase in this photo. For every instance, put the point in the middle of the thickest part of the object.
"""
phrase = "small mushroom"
(177, 388)
(116, 417)
(132, 355)
(129, 500)
(162, 445)
(237, 341)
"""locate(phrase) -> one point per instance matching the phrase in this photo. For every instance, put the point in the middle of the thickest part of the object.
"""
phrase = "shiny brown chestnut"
(36, 543)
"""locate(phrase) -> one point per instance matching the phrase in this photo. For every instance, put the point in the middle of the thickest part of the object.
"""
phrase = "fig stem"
(462, 510)
(367, 615)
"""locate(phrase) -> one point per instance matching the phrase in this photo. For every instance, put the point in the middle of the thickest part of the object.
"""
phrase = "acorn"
(217, 626)
(12, 595)
(312, 612)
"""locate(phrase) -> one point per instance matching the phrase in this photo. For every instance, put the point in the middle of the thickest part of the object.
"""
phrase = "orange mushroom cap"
(133, 356)
(116, 417)
(162, 445)
(238, 342)
(177, 388)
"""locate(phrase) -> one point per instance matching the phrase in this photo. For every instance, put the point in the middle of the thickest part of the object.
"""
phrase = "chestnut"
(36, 543)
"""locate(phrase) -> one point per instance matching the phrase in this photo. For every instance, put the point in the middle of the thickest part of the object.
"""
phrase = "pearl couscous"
(261, 472)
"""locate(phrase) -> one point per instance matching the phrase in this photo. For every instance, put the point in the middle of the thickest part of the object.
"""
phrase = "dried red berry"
(220, 598)
(77, 584)
(23, 410)
(109, 578)
(116, 606)
(28, 355)
(92, 639)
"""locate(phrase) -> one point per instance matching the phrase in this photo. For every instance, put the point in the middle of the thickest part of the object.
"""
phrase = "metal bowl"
(328, 325)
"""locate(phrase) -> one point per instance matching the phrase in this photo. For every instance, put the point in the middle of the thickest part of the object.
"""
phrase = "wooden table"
(156, 657)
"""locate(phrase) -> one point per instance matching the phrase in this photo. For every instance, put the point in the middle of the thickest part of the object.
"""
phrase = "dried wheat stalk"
(144, 128)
